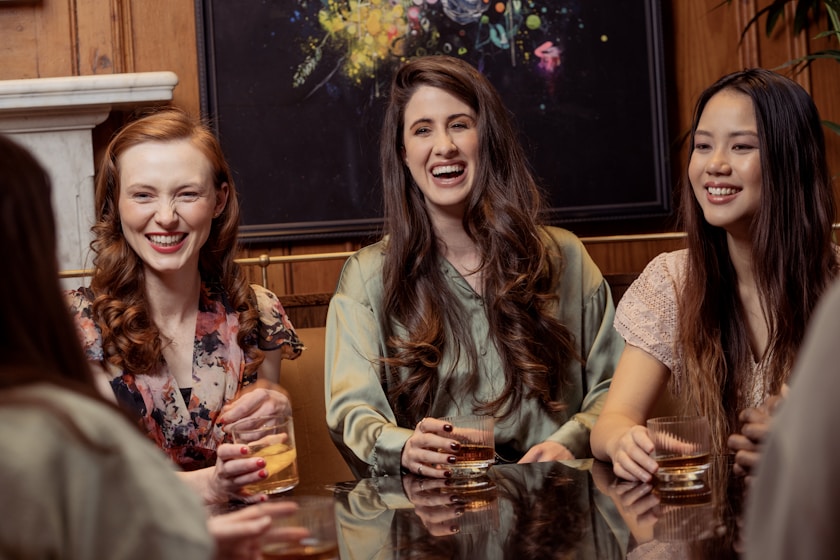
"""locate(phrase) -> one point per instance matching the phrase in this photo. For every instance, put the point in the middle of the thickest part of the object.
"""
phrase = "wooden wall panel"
(95, 48)
(319, 276)
(163, 37)
(628, 257)
(825, 89)
(300, 277)
(20, 42)
(37, 40)
(706, 46)
(83, 37)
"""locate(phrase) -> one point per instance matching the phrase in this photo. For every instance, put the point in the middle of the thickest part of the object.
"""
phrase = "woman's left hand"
(755, 425)
(263, 400)
(547, 451)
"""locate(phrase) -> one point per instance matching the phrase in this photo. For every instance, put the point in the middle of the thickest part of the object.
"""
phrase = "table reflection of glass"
(574, 509)
(664, 524)
(543, 510)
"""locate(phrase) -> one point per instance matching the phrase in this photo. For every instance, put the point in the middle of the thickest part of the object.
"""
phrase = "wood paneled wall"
(703, 41)
(53, 38)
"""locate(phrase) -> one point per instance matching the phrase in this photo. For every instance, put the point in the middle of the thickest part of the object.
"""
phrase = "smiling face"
(167, 202)
(725, 165)
(440, 139)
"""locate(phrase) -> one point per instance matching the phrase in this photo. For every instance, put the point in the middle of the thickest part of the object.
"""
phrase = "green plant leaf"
(774, 12)
(801, 20)
(799, 64)
(754, 20)
(832, 126)
(829, 33)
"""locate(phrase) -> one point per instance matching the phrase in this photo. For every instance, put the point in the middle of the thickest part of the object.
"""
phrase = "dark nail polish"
(456, 499)
(447, 427)
(260, 463)
(447, 474)
(455, 446)
(451, 459)
(459, 512)
(455, 529)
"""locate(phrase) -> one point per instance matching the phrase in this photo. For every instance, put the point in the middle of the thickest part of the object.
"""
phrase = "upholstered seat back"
(319, 462)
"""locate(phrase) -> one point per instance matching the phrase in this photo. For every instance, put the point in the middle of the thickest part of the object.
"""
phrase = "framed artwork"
(296, 90)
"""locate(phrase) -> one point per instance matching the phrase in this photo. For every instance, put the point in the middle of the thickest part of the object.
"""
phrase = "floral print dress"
(182, 422)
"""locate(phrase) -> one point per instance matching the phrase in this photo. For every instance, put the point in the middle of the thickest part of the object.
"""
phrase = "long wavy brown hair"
(131, 340)
(501, 217)
(793, 257)
(39, 342)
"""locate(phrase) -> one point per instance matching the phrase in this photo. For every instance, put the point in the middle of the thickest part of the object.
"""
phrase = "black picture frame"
(300, 128)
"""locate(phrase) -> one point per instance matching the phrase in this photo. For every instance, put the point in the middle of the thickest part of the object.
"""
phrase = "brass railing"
(264, 261)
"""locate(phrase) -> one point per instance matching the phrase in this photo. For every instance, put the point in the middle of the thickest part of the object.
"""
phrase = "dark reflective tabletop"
(575, 509)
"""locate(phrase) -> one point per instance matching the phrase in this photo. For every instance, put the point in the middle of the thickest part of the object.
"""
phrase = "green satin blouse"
(359, 416)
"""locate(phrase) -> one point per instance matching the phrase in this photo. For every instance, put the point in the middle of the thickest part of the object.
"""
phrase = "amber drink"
(682, 446)
(273, 439)
(478, 449)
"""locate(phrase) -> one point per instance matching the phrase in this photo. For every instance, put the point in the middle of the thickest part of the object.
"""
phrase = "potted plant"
(807, 14)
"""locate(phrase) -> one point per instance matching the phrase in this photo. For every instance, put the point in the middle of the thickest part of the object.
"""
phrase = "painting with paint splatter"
(297, 90)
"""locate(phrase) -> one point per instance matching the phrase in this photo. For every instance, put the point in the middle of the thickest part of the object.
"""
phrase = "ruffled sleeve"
(275, 328)
(647, 313)
(80, 303)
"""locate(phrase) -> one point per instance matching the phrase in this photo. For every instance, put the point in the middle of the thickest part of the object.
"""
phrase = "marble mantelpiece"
(54, 118)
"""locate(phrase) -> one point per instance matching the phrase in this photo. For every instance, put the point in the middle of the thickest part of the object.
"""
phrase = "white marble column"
(54, 118)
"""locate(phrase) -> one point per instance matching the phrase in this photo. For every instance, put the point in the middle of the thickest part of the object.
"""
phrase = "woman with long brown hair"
(721, 321)
(169, 319)
(468, 304)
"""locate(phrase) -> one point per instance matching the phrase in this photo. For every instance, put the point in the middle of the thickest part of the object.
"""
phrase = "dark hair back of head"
(39, 341)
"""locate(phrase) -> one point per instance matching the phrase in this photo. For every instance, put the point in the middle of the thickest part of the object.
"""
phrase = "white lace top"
(647, 318)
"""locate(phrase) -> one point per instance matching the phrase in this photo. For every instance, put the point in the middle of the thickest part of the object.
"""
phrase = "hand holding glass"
(273, 439)
(682, 445)
(478, 444)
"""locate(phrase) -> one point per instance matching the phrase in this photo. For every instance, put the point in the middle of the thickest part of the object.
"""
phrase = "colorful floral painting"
(372, 34)
(297, 89)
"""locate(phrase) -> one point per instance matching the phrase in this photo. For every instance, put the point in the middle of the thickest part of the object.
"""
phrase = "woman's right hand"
(428, 451)
(234, 469)
(631, 455)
